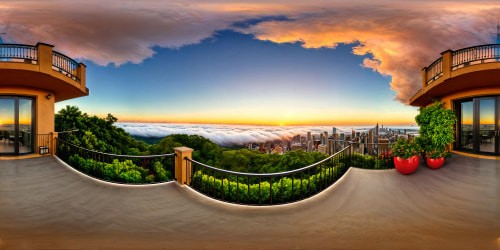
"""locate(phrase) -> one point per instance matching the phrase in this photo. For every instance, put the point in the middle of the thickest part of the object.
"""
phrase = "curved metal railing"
(268, 188)
(29, 54)
(434, 71)
(116, 168)
(65, 65)
(475, 55)
(18, 53)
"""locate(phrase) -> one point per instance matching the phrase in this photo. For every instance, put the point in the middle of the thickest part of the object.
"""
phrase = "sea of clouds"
(227, 135)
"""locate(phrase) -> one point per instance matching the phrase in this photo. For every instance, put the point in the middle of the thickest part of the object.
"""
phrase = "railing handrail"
(19, 51)
(269, 174)
(476, 46)
(17, 44)
(433, 64)
(71, 60)
(117, 155)
(68, 131)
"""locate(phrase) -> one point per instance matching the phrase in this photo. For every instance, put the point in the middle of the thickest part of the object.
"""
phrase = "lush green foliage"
(96, 133)
(382, 161)
(244, 160)
(120, 171)
(241, 160)
(204, 150)
(284, 189)
(436, 129)
(405, 148)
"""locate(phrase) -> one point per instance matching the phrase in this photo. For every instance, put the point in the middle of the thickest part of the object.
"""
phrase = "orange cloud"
(398, 42)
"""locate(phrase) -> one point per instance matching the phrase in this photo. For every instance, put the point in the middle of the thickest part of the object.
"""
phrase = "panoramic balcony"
(40, 67)
(475, 67)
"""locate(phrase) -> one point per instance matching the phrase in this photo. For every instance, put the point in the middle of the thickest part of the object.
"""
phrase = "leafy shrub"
(405, 148)
(252, 190)
(119, 171)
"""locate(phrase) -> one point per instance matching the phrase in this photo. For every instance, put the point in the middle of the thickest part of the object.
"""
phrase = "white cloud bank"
(227, 135)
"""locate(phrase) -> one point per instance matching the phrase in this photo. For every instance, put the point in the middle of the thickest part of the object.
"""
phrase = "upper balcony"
(455, 71)
(42, 68)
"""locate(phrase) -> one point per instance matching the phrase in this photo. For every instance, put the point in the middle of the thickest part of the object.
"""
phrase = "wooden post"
(53, 143)
(182, 167)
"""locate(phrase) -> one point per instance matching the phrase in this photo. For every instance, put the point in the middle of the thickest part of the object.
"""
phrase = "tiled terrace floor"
(44, 205)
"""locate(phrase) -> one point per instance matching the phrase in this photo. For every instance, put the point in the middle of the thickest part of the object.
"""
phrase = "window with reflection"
(466, 125)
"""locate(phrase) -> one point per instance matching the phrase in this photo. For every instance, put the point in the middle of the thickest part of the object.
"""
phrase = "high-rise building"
(309, 146)
(331, 147)
(322, 148)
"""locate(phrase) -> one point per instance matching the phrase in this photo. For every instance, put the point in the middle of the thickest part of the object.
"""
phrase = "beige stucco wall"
(44, 117)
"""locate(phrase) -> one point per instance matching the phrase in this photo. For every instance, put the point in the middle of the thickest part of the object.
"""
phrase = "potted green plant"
(406, 156)
(436, 133)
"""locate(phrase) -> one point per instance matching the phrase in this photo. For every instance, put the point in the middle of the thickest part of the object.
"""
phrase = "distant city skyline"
(228, 62)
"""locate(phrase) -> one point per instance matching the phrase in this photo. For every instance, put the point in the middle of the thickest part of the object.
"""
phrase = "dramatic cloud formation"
(227, 135)
(398, 38)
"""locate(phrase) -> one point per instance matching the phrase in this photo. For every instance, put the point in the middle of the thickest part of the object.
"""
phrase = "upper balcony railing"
(453, 60)
(65, 65)
(475, 55)
(30, 54)
(434, 71)
(18, 53)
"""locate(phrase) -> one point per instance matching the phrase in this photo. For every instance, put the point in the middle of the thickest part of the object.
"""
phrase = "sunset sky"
(254, 62)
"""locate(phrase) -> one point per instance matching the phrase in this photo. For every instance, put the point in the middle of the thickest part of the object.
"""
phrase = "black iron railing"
(267, 189)
(65, 65)
(117, 168)
(434, 71)
(18, 53)
(475, 55)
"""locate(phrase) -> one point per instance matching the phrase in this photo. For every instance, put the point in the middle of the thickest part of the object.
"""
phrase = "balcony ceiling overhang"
(471, 77)
(29, 76)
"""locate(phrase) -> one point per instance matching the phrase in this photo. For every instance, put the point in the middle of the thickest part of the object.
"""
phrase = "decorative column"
(82, 68)
(447, 62)
(424, 79)
(44, 57)
(182, 167)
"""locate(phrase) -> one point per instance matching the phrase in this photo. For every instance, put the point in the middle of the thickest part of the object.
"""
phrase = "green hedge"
(239, 191)
(120, 171)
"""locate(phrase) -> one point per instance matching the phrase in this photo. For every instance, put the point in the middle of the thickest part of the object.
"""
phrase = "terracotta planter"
(435, 163)
(406, 166)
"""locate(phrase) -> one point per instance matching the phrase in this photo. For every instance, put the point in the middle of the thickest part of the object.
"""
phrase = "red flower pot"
(435, 163)
(406, 166)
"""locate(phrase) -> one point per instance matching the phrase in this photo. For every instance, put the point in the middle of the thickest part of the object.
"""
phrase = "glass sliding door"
(466, 126)
(478, 126)
(25, 125)
(487, 125)
(16, 125)
(7, 125)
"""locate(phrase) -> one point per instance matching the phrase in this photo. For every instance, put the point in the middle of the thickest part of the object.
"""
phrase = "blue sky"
(236, 72)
